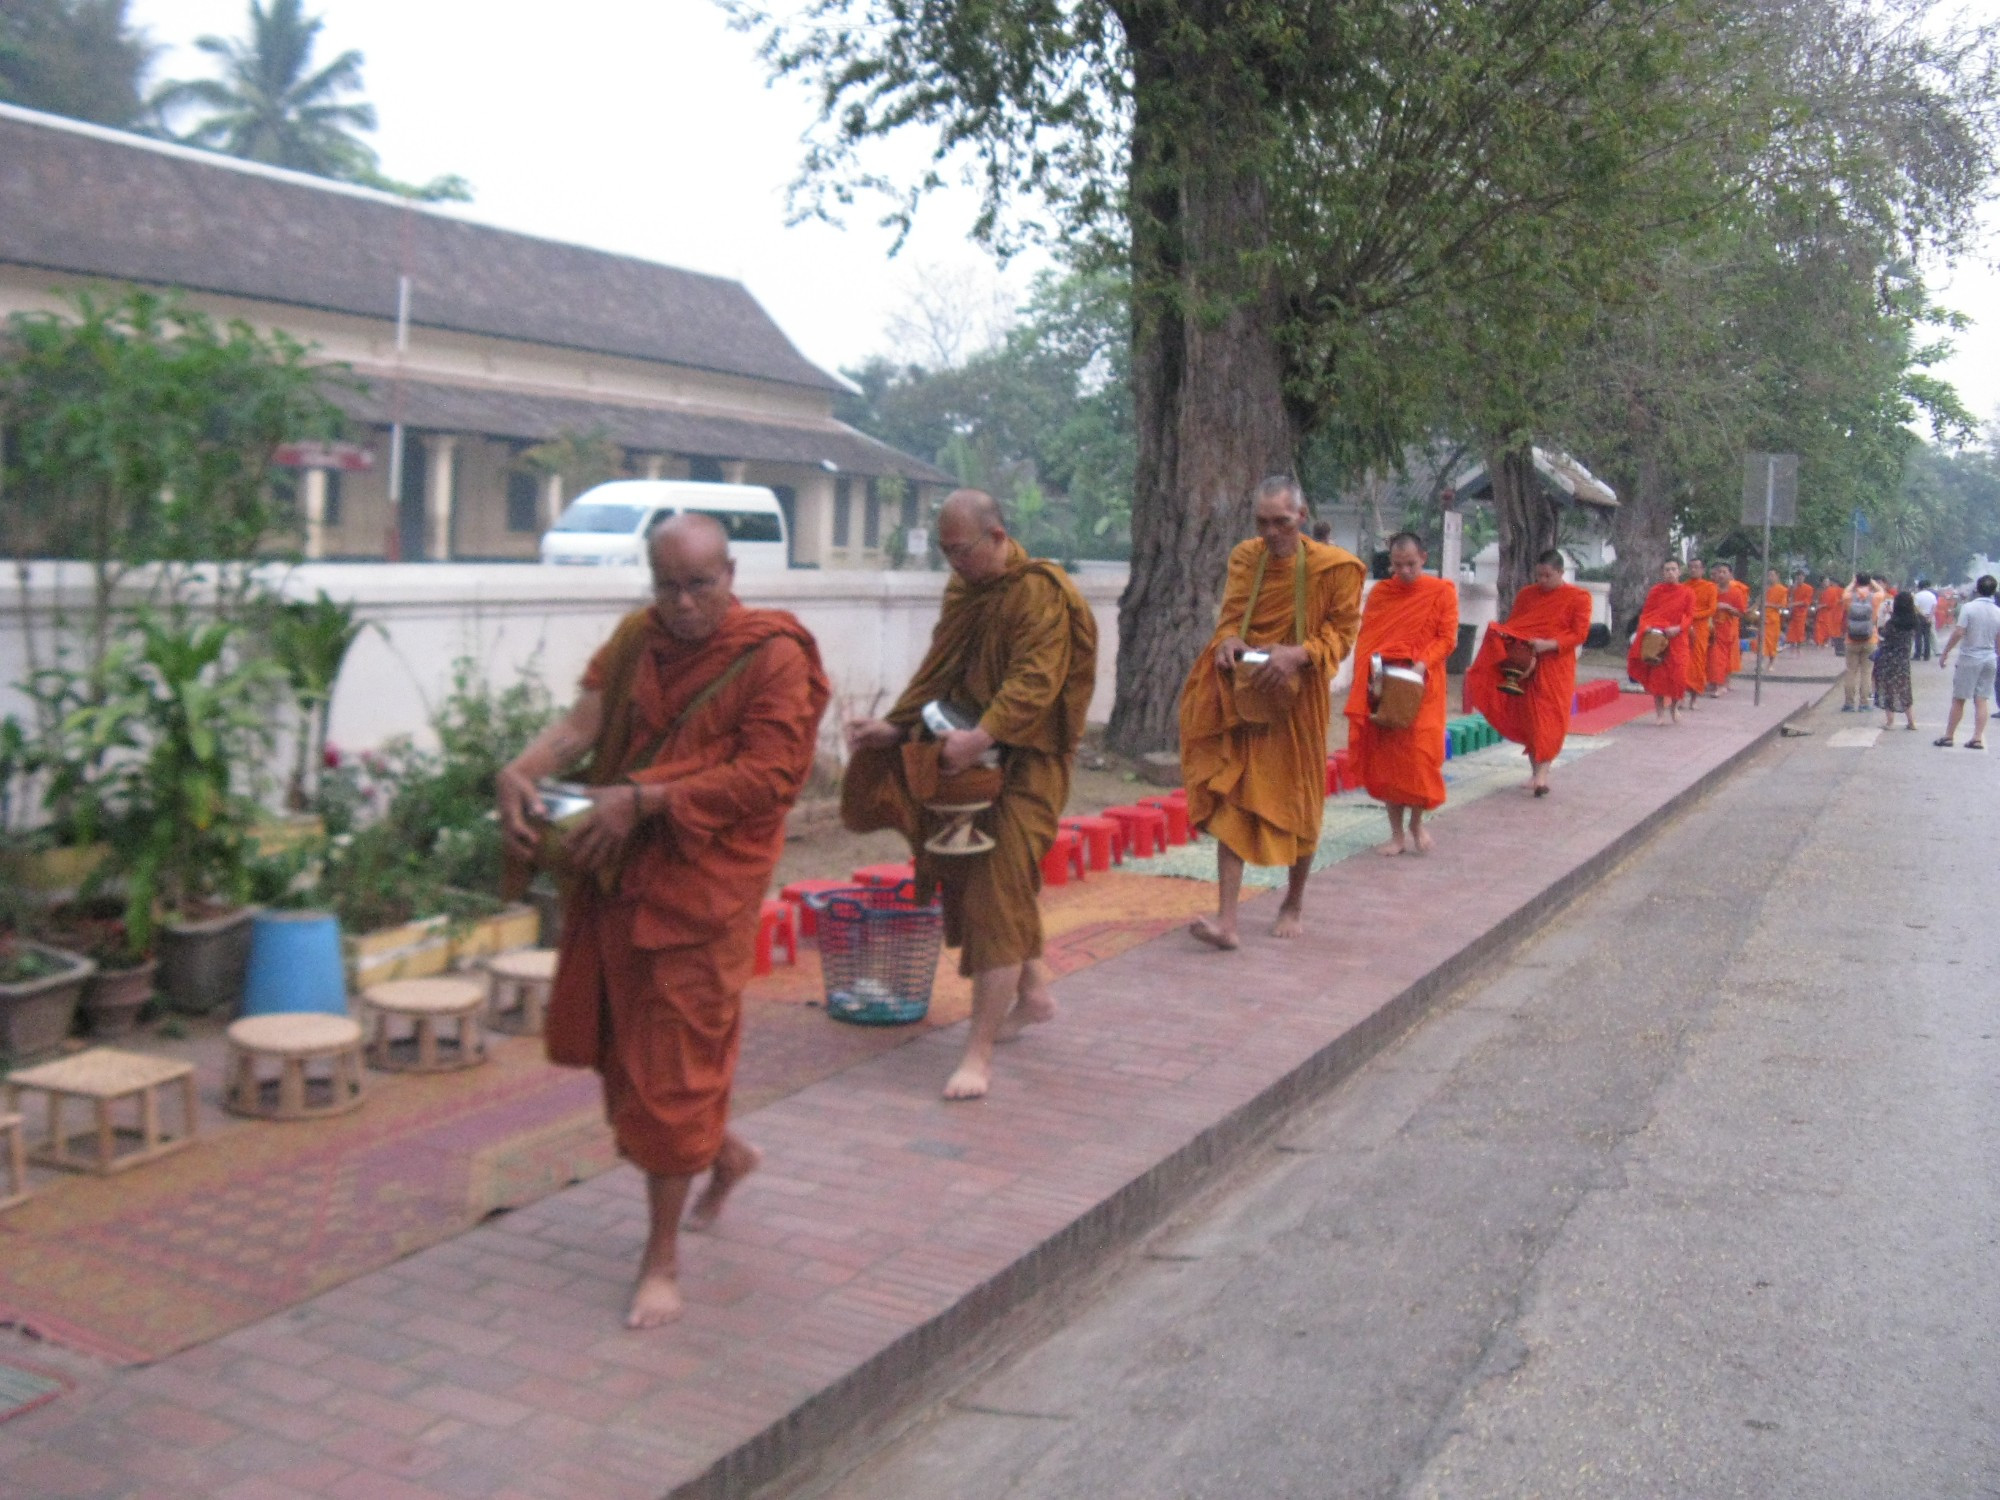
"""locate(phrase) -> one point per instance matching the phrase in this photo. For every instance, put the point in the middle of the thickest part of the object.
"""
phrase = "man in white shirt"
(1978, 628)
(1926, 602)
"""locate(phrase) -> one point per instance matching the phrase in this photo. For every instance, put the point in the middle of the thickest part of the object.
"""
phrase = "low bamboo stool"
(517, 990)
(105, 1077)
(17, 1162)
(295, 1041)
(428, 1005)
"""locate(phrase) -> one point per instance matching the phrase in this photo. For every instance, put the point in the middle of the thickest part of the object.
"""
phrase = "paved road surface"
(1698, 1197)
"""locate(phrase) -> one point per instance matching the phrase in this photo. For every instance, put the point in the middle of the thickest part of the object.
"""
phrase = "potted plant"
(180, 831)
(39, 989)
(122, 983)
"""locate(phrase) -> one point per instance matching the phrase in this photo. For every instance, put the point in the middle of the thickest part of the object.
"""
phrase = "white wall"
(872, 629)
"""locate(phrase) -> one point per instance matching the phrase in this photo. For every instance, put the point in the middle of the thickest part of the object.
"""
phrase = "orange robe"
(1538, 718)
(1020, 651)
(1668, 605)
(1259, 788)
(1701, 633)
(1776, 598)
(1802, 608)
(1828, 619)
(650, 977)
(1725, 648)
(1418, 621)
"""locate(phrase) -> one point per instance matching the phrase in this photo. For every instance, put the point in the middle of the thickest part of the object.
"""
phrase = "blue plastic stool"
(295, 965)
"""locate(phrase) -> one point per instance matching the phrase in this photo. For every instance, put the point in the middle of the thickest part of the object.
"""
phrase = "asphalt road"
(1698, 1196)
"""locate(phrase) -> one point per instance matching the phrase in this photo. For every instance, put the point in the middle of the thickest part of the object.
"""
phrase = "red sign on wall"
(351, 458)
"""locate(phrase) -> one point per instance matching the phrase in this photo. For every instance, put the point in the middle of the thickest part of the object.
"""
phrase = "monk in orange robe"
(1553, 617)
(1255, 763)
(702, 717)
(1802, 611)
(1669, 609)
(1408, 616)
(1827, 616)
(1725, 646)
(1701, 629)
(1015, 649)
(1777, 599)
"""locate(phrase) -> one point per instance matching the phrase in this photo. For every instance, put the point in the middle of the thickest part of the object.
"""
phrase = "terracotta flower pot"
(113, 999)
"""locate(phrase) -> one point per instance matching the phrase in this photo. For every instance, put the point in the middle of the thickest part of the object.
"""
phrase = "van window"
(747, 525)
(664, 513)
(597, 517)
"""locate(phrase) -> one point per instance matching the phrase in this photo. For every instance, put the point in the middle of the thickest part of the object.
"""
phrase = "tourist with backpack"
(1858, 611)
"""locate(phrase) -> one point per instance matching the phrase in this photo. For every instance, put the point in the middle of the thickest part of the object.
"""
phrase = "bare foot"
(737, 1161)
(1213, 933)
(1423, 840)
(656, 1301)
(1288, 925)
(1034, 1007)
(1393, 847)
(969, 1082)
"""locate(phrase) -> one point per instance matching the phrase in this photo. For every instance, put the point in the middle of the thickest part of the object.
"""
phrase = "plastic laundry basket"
(878, 952)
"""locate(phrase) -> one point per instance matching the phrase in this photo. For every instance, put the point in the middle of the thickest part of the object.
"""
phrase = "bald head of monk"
(1406, 556)
(1695, 569)
(1724, 575)
(1549, 569)
(1670, 570)
(1280, 514)
(693, 575)
(972, 535)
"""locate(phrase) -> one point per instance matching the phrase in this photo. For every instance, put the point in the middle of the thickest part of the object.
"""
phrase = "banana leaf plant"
(309, 640)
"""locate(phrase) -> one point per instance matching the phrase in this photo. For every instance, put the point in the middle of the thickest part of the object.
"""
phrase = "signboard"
(1775, 475)
(350, 458)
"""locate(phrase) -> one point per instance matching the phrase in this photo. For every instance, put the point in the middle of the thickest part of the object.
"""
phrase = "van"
(608, 524)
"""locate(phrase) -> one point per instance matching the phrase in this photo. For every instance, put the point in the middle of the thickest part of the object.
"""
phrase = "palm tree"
(270, 106)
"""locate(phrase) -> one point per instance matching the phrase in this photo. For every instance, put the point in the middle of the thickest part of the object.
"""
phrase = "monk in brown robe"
(1777, 599)
(1701, 629)
(702, 717)
(1553, 617)
(1725, 646)
(1828, 616)
(1801, 602)
(1257, 783)
(1408, 616)
(1015, 647)
(1669, 607)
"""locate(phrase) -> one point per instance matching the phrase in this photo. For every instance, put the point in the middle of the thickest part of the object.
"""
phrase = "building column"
(813, 544)
(653, 466)
(312, 508)
(733, 470)
(441, 454)
(552, 500)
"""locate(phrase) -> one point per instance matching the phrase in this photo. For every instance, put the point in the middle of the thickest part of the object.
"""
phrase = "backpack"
(1860, 618)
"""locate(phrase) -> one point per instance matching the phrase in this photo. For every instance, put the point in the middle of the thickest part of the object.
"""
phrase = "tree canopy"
(79, 58)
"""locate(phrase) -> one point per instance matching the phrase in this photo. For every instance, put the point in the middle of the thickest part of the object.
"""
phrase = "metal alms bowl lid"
(563, 799)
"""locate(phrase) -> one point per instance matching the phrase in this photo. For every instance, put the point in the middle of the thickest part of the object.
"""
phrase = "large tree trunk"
(1527, 517)
(1639, 531)
(1207, 376)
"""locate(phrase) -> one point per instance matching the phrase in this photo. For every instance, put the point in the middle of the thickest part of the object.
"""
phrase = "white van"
(608, 525)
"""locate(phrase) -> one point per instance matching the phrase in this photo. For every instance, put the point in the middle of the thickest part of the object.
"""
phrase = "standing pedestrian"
(1978, 628)
(1927, 603)
(1858, 612)
(1898, 635)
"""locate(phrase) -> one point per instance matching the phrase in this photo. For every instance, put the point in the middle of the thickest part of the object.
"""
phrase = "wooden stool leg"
(188, 1107)
(17, 1160)
(349, 1063)
(107, 1140)
(149, 1119)
(471, 1036)
(58, 1142)
(292, 1088)
(427, 1042)
(534, 1007)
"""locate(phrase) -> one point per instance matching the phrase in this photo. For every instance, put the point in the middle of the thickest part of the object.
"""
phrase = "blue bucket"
(295, 965)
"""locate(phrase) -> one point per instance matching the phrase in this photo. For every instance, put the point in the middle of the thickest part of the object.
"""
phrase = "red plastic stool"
(1333, 781)
(797, 892)
(1145, 829)
(1176, 815)
(885, 874)
(1065, 857)
(1343, 767)
(777, 922)
(1102, 840)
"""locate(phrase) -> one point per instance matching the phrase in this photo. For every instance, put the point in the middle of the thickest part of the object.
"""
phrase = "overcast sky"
(646, 127)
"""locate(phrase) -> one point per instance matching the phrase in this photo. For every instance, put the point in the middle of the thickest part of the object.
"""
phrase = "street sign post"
(1770, 496)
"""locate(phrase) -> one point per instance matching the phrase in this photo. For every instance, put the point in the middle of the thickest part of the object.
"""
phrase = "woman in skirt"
(1892, 662)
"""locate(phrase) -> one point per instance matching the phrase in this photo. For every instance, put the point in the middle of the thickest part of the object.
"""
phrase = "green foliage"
(309, 639)
(582, 460)
(79, 58)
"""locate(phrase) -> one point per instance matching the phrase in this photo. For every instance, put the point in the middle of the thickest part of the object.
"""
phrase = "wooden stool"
(776, 921)
(428, 1005)
(517, 990)
(105, 1077)
(1103, 840)
(885, 874)
(17, 1162)
(295, 1041)
(796, 893)
(1065, 855)
(1144, 828)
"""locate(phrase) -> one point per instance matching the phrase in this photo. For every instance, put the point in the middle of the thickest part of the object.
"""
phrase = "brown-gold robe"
(1019, 651)
(650, 977)
(1417, 621)
(1258, 788)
